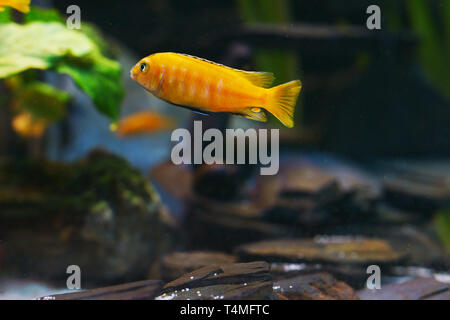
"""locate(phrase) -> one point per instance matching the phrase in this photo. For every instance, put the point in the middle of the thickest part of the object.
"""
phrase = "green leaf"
(43, 15)
(442, 225)
(99, 80)
(38, 45)
(5, 15)
(50, 45)
(432, 47)
(42, 101)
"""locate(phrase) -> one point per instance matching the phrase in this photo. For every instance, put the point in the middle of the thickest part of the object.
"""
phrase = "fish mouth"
(132, 74)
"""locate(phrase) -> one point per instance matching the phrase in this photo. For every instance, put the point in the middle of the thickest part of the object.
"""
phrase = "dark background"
(386, 108)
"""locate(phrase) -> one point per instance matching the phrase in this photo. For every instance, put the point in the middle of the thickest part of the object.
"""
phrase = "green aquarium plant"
(43, 42)
(442, 226)
(284, 63)
(434, 34)
(430, 21)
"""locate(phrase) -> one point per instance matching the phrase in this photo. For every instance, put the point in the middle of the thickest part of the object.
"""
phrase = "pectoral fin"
(193, 109)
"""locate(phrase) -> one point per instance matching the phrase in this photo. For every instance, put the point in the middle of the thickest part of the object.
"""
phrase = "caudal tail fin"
(282, 100)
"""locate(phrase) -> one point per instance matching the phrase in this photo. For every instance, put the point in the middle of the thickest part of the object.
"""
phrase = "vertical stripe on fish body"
(197, 83)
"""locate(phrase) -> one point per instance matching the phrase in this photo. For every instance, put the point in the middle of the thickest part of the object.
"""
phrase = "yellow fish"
(206, 86)
(143, 122)
(21, 5)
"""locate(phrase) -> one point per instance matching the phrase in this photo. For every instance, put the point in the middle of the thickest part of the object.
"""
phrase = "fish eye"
(143, 67)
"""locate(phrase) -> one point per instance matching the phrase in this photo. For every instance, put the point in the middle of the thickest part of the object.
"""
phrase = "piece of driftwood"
(228, 281)
(414, 289)
(139, 290)
(317, 286)
(176, 264)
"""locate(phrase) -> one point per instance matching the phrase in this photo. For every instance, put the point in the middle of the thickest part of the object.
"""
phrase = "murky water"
(104, 173)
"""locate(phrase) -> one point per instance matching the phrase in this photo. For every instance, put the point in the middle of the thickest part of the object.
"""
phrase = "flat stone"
(327, 250)
(414, 289)
(318, 286)
(217, 181)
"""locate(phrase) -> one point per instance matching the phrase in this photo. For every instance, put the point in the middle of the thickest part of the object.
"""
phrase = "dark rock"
(218, 182)
(302, 212)
(229, 281)
(267, 190)
(388, 214)
(176, 264)
(419, 245)
(414, 289)
(302, 200)
(89, 213)
(174, 179)
(312, 198)
(140, 290)
(222, 226)
(417, 190)
(318, 286)
(308, 182)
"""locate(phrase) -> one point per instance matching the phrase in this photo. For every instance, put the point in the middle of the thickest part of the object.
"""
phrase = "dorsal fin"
(260, 79)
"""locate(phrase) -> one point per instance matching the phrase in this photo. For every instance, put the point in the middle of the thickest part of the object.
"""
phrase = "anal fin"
(254, 114)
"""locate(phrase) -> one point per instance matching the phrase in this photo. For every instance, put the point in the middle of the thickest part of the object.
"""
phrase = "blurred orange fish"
(143, 122)
(206, 86)
(28, 126)
(21, 5)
